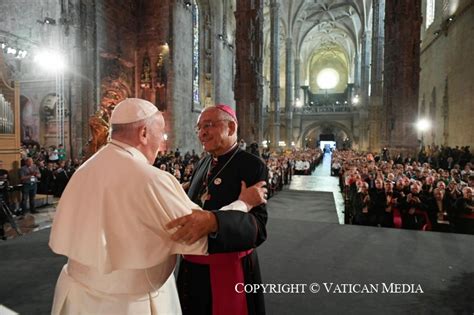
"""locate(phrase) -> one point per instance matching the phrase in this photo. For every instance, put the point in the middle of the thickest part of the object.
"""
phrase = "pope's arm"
(175, 204)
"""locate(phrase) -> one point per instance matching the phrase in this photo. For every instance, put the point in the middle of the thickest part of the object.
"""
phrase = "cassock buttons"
(217, 181)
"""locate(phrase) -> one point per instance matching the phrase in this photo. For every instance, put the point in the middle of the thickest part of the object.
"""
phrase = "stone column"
(305, 89)
(297, 78)
(79, 33)
(289, 92)
(356, 72)
(376, 78)
(364, 90)
(249, 63)
(365, 67)
(401, 74)
(274, 74)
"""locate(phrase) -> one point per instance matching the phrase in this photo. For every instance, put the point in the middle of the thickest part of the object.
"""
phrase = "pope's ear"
(142, 134)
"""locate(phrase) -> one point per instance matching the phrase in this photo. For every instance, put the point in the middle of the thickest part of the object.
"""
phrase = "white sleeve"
(237, 205)
(176, 203)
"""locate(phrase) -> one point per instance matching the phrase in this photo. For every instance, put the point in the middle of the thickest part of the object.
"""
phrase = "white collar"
(134, 152)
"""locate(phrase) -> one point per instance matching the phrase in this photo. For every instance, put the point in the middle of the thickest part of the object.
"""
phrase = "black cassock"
(238, 231)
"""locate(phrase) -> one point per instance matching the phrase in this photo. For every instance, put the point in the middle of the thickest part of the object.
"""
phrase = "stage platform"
(339, 259)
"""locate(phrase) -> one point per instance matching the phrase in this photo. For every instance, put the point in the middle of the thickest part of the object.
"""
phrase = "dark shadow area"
(303, 205)
(301, 251)
(28, 273)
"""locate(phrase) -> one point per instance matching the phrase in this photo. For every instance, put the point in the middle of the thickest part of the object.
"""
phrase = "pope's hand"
(193, 226)
(254, 195)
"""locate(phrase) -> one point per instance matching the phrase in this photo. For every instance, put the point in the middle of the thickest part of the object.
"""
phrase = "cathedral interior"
(361, 72)
(361, 75)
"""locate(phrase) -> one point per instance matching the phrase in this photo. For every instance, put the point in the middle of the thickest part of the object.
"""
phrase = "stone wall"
(447, 82)
(23, 24)
(217, 69)
(101, 38)
(223, 53)
(181, 127)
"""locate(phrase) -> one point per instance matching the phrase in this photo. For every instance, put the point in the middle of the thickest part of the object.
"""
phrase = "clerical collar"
(227, 154)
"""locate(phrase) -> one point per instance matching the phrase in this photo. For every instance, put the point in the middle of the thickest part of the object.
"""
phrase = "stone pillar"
(274, 74)
(364, 90)
(445, 113)
(289, 92)
(401, 74)
(376, 78)
(305, 89)
(249, 64)
(297, 78)
(356, 72)
(365, 67)
(79, 33)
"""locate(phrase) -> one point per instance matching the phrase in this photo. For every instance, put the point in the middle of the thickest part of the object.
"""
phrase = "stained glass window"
(196, 57)
(430, 12)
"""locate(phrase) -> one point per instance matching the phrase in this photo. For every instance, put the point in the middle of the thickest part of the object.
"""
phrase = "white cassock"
(110, 223)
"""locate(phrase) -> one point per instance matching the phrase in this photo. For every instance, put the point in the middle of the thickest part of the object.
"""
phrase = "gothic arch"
(318, 124)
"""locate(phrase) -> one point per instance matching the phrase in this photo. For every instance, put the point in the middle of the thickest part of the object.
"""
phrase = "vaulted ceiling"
(319, 28)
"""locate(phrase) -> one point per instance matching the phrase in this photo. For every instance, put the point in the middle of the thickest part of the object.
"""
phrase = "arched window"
(430, 12)
(196, 57)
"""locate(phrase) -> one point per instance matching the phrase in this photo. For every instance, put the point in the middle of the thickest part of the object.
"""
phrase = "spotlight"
(47, 20)
(50, 60)
(187, 4)
(355, 99)
(451, 18)
(220, 36)
(11, 50)
(423, 124)
(298, 103)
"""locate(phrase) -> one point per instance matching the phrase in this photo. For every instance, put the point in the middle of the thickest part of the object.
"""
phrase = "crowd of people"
(42, 171)
(281, 166)
(432, 192)
(52, 170)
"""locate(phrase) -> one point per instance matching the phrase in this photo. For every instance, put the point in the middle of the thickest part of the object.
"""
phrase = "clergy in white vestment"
(110, 223)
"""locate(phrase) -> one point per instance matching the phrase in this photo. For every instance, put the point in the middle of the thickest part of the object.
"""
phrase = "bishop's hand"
(254, 195)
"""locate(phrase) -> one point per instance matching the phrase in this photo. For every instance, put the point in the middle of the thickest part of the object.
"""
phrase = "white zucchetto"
(131, 110)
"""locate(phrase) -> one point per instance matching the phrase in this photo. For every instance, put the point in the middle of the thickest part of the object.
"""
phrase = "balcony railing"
(325, 109)
(319, 109)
